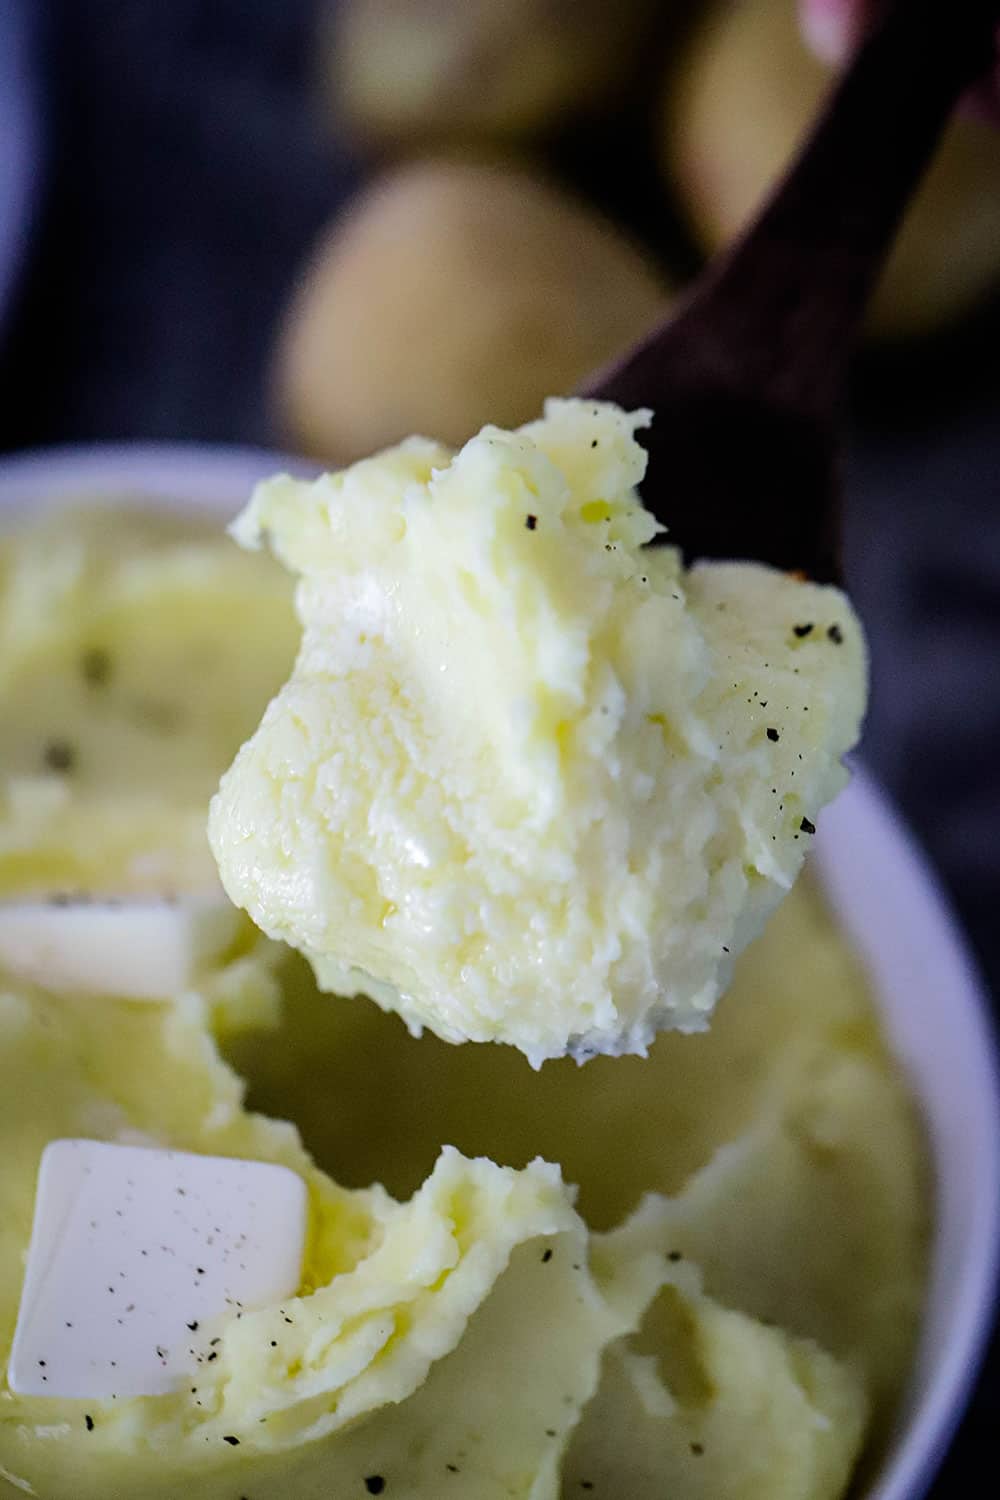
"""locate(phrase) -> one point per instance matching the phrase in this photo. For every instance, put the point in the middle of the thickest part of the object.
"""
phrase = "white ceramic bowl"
(931, 1000)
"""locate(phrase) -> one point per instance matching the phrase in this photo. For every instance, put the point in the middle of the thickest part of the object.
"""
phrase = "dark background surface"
(187, 170)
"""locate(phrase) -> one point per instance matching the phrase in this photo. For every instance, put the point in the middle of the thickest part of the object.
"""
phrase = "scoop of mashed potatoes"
(531, 781)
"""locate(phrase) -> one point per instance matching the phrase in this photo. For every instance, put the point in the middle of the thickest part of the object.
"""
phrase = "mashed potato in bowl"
(709, 1286)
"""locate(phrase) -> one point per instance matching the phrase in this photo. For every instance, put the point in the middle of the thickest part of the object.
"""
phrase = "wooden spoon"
(747, 379)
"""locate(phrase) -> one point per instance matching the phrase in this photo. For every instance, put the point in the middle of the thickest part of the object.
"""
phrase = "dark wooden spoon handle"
(823, 239)
(746, 378)
(780, 311)
(781, 308)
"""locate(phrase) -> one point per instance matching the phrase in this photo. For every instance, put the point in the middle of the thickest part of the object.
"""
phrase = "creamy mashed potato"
(530, 781)
(786, 1122)
(461, 1332)
(137, 650)
(388, 1291)
(696, 1275)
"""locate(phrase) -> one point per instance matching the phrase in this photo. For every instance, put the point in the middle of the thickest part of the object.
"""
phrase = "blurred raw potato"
(740, 100)
(452, 295)
(404, 70)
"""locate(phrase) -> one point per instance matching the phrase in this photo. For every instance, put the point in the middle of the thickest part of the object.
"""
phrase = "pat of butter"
(139, 950)
(133, 1250)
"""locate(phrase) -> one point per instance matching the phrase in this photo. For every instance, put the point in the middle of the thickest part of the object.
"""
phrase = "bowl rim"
(211, 473)
(893, 907)
(891, 903)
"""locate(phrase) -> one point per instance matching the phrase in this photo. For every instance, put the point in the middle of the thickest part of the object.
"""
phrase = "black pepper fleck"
(550, 1432)
(531, 522)
(374, 1484)
(836, 635)
(546, 1256)
(194, 1326)
(59, 755)
(164, 717)
(95, 666)
(773, 736)
(675, 1256)
(802, 630)
(807, 827)
(586, 1484)
(233, 1442)
(697, 1449)
(452, 1468)
(88, 1422)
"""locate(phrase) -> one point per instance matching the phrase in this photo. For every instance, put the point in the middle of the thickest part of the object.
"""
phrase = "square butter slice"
(134, 950)
(133, 1250)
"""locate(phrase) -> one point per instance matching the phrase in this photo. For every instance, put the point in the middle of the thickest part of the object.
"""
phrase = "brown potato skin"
(399, 71)
(736, 104)
(448, 296)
